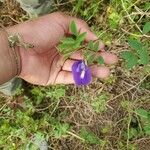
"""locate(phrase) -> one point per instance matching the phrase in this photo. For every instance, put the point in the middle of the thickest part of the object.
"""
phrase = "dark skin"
(43, 65)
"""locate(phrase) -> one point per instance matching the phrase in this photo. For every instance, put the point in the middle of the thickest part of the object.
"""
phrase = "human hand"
(43, 65)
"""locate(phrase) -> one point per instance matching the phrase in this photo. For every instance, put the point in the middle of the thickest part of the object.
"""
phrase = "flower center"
(81, 67)
(82, 74)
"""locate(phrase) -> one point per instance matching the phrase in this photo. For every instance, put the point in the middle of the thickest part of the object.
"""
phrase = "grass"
(101, 116)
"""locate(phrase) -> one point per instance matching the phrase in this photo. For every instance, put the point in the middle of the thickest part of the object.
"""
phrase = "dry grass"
(122, 86)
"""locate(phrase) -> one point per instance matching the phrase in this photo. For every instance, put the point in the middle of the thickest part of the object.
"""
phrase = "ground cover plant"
(112, 114)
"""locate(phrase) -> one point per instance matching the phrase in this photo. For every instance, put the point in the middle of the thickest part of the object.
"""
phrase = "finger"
(109, 58)
(68, 65)
(97, 71)
(64, 77)
(77, 55)
(100, 72)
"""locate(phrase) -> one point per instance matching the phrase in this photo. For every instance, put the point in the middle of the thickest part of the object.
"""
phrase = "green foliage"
(141, 51)
(100, 103)
(38, 94)
(133, 133)
(142, 113)
(146, 83)
(130, 58)
(114, 19)
(145, 119)
(90, 54)
(94, 46)
(100, 60)
(88, 11)
(139, 56)
(56, 93)
(51, 113)
(89, 137)
(146, 28)
(60, 130)
(75, 42)
(73, 28)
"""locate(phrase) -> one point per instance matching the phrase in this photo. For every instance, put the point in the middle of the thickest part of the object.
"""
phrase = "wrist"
(10, 59)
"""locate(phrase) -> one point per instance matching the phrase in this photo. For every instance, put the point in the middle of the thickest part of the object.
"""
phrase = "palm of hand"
(43, 65)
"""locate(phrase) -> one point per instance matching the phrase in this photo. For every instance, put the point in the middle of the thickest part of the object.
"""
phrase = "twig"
(11, 18)
(137, 35)
(78, 137)
(130, 88)
(130, 17)
(138, 13)
(128, 131)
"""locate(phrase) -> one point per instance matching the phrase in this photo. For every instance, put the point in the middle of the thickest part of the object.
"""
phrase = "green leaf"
(93, 45)
(76, 46)
(135, 44)
(63, 47)
(141, 51)
(73, 28)
(89, 137)
(68, 41)
(96, 46)
(114, 19)
(90, 58)
(133, 133)
(100, 103)
(146, 28)
(142, 113)
(144, 56)
(90, 45)
(61, 129)
(147, 6)
(81, 37)
(100, 60)
(130, 58)
(147, 129)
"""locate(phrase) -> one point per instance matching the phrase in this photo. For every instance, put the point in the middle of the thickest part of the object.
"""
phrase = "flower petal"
(81, 73)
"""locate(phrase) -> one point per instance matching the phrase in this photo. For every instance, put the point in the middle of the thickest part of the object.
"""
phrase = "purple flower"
(81, 73)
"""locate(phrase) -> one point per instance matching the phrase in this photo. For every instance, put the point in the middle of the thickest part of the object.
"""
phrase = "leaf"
(142, 113)
(73, 28)
(96, 46)
(76, 46)
(81, 37)
(147, 129)
(61, 129)
(141, 51)
(130, 58)
(63, 47)
(90, 45)
(135, 44)
(100, 60)
(100, 103)
(93, 45)
(144, 56)
(89, 137)
(146, 28)
(114, 19)
(90, 58)
(147, 6)
(56, 94)
(133, 133)
(68, 41)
